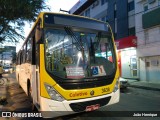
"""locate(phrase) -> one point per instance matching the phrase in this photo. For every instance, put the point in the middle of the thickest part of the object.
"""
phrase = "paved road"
(134, 100)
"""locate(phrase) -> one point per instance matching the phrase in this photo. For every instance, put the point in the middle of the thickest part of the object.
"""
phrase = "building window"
(147, 64)
(131, 6)
(151, 1)
(115, 25)
(96, 3)
(115, 14)
(115, 6)
(87, 13)
(115, 35)
(145, 7)
(104, 18)
(103, 2)
(132, 31)
(115, 10)
(82, 14)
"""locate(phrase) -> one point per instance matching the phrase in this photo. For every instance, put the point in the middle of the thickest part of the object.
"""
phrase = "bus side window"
(33, 53)
(38, 33)
(28, 51)
(20, 56)
(17, 59)
(24, 53)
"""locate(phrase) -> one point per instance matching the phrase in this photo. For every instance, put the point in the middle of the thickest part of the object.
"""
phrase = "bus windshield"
(73, 54)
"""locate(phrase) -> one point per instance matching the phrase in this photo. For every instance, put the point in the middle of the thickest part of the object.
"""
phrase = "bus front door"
(35, 75)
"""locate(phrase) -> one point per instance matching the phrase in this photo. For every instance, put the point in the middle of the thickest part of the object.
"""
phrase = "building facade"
(6, 58)
(121, 16)
(7, 55)
(147, 16)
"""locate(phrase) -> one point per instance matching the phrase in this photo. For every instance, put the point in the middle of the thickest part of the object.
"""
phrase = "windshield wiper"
(78, 44)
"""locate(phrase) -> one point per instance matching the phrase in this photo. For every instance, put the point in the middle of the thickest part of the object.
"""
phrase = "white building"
(94, 9)
(147, 18)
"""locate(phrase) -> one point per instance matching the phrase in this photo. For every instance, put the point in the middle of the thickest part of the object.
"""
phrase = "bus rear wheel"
(29, 91)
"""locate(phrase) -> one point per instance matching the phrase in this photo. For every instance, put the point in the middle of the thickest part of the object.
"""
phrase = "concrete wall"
(150, 69)
(146, 37)
(153, 70)
(148, 44)
(142, 71)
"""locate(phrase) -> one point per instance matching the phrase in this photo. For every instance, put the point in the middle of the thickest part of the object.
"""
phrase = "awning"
(126, 42)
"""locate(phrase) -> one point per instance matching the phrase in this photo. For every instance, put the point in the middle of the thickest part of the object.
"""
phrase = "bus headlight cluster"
(116, 87)
(53, 93)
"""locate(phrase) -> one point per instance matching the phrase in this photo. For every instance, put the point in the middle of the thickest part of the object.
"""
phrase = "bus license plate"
(92, 107)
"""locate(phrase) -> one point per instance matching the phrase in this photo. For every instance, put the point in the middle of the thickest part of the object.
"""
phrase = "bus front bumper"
(51, 108)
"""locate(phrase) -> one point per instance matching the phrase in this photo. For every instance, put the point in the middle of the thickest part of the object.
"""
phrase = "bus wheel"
(29, 91)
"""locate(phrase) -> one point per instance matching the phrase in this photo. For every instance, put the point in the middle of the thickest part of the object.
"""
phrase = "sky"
(55, 6)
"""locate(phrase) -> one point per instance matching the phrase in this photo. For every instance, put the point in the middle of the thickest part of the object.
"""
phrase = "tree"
(13, 14)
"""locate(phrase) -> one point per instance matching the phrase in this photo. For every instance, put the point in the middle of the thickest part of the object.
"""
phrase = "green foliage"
(13, 14)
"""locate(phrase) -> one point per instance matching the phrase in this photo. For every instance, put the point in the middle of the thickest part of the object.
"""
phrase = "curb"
(144, 87)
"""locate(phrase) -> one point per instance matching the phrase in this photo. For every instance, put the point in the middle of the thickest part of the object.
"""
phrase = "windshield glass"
(75, 55)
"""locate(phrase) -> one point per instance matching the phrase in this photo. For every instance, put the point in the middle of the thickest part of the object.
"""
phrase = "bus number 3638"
(105, 90)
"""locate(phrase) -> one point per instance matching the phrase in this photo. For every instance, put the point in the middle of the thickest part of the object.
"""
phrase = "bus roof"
(74, 21)
(70, 20)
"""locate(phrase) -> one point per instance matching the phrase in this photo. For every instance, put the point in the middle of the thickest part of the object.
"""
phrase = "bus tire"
(29, 90)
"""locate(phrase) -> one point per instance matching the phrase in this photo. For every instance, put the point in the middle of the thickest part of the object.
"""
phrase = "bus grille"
(85, 84)
(81, 106)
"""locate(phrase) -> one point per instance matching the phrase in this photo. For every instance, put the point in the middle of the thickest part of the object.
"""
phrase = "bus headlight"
(53, 93)
(116, 87)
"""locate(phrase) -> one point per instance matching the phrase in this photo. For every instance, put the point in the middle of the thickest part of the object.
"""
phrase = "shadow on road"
(125, 90)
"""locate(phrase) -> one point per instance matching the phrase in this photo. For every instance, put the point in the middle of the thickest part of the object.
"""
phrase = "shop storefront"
(127, 58)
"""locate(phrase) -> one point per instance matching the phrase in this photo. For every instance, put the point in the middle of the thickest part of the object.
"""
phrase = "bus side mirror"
(38, 34)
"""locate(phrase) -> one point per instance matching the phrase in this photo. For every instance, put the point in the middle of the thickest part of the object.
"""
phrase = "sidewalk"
(12, 97)
(3, 92)
(144, 85)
